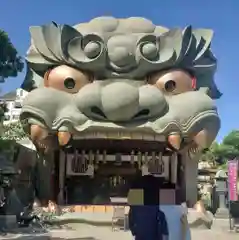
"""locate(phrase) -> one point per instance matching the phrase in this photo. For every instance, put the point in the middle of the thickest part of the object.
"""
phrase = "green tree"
(11, 133)
(3, 109)
(229, 148)
(211, 154)
(221, 153)
(10, 65)
(10, 62)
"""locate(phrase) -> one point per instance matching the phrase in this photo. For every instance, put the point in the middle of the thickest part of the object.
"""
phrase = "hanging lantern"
(118, 159)
(104, 156)
(156, 166)
(139, 159)
(74, 162)
(83, 162)
(153, 158)
(146, 158)
(97, 157)
(132, 158)
(91, 157)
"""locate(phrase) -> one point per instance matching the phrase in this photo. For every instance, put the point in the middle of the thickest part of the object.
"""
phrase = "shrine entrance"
(99, 190)
(107, 184)
(89, 177)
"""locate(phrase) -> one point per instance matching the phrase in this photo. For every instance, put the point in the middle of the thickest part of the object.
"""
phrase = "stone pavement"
(219, 231)
(89, 232)
(199, 234)
(81, 231)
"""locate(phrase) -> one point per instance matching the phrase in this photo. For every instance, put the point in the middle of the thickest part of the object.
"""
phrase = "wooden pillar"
(55, 175)
(44, 185)
(174, 168)
(62, 170)
(190, 178)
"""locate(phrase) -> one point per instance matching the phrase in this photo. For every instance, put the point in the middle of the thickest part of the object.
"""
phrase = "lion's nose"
(120, 101)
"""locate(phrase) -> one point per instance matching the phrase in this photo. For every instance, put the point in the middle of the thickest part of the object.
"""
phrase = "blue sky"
(221, 16)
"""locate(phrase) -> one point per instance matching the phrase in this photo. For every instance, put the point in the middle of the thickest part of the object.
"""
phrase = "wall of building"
(15, 106)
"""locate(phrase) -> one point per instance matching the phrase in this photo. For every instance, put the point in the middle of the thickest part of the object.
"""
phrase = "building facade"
(13, 101)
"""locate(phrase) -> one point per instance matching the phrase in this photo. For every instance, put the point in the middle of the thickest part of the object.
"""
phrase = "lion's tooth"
(38, 133)
(63, 138)
(80, 136)
(202, 139)
(125, 135)
(90, 135)
(113, 135)
(148, 137)
(175, 140)
(159, 138)
(101, 135)
(136, 136)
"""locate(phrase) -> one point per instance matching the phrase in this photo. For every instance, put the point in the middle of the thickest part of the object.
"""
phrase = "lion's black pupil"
(69, 83)
(170, 85)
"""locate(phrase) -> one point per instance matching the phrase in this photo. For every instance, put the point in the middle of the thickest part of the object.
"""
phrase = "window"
(18, 104)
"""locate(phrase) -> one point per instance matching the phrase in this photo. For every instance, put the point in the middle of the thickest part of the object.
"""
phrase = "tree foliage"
(11, 133)
(3, 109)
(229, 148)
(210, 155)
(10, 62)
(221, 153)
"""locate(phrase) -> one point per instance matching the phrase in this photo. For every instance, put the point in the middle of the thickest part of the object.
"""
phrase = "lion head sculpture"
(126, 78)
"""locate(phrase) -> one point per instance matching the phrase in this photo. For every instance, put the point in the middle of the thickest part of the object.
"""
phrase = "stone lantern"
(221, 190)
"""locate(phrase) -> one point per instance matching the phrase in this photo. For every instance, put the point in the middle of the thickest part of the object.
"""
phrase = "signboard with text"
(232, 179)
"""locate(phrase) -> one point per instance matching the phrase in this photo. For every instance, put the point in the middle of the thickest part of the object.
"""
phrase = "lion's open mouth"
(111, 141)
(112, 138)
(112, 146)
(124, 142)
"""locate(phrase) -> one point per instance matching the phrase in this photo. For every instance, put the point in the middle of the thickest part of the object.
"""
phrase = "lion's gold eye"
(66, 79)
(172, 82)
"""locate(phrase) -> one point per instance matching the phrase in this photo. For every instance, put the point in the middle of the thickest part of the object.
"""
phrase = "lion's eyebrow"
(188, 48)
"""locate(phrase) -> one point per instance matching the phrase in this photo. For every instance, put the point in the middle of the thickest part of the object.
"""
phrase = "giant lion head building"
(114, 98)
